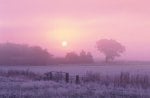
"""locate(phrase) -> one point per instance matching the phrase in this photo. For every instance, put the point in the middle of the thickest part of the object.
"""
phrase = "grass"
(124, 79)
(27, 84)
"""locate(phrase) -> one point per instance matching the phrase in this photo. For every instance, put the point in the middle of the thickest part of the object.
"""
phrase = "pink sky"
(80, 22)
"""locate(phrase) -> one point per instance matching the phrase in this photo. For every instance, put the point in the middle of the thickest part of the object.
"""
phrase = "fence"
(122, 80)
(61, 76)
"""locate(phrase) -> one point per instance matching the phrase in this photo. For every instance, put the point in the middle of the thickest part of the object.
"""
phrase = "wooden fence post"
(67, 77)
(50, 76)
(77, 79)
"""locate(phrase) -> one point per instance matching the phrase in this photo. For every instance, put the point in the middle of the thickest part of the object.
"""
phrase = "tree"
(90, 57)
(18, 54)
(72, 57)
(110, 48)
(82, 54)
(81, 58)
(86, 57)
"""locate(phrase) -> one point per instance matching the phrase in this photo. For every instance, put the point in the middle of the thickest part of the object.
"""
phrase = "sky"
(80, 23)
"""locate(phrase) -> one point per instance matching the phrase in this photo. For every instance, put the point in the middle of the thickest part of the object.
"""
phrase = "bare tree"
(110, 48)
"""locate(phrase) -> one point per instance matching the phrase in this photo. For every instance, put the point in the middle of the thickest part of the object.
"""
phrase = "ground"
(107, 85)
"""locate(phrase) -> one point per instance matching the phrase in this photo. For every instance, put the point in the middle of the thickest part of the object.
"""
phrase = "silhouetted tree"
(83, 57)
(110, 48)
(89, 58)
(72, 57)
(17, 54)
(86, 57)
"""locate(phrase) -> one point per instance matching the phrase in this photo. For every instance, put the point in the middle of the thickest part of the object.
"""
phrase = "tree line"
(18, 54)
(21, 54)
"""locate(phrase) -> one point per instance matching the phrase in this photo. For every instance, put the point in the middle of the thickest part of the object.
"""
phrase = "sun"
(64, 43)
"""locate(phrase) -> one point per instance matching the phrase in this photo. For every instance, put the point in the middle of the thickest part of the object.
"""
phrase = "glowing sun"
(64, 43)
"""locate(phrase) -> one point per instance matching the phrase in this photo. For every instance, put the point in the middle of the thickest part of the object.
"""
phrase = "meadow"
(99, 82)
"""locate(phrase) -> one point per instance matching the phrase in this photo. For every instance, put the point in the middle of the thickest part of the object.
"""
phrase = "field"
(82, 69)
(124, 81)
